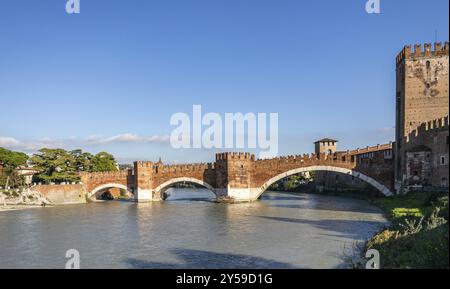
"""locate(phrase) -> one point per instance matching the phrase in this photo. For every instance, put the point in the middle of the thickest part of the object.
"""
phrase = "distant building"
(27, 173)
(422, 109)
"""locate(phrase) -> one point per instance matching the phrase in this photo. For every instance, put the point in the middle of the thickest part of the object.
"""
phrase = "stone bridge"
(237, 176)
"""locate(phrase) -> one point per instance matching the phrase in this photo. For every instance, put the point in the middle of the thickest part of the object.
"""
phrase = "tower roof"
(326, 140)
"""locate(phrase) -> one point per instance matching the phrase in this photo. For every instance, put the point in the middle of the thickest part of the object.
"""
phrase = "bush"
(426, 249)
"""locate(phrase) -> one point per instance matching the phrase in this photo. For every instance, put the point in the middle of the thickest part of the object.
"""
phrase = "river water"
(189, 230)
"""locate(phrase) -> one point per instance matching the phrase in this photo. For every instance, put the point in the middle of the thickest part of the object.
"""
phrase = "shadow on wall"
(196, 259)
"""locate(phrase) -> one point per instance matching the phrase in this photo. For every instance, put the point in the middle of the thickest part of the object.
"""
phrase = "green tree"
(56, 165)
(59, 165)
(10, 160)
(82, 160)
(104, 162)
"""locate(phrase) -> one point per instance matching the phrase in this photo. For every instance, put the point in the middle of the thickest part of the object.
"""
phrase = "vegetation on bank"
(419, 233)
(58, 165)
(53, 165)
(9, 161)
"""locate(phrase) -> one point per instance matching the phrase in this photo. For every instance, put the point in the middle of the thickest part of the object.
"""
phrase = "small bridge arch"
(380, 187)
(164, 186)
(92, 193)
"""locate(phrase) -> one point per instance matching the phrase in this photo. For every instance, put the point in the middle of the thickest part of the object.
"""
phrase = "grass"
(417, 204)
(404, 212)
(419, 233)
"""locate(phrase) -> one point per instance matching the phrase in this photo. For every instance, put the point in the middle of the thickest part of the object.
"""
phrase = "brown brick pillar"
(143, 172)
(234, 177)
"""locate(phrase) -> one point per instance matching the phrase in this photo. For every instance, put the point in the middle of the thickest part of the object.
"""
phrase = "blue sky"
(110, 77)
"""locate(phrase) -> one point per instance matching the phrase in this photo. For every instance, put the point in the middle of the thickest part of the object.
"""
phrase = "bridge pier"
(142, 196)
(237, 195)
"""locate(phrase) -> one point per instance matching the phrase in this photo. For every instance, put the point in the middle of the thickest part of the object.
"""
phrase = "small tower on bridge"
(325, 146)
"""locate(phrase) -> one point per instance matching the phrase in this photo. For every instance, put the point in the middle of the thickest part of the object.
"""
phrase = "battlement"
(427, 51)
(235, 156)
(305, 158)
(284, 159)
(183, 167)
(144, 164)
(114, 174)
(370, 149)
(430, 126)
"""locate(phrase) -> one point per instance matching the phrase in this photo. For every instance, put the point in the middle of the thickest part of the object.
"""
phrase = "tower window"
(428, 64)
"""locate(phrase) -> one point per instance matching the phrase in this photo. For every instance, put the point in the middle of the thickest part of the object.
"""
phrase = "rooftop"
(326, 140)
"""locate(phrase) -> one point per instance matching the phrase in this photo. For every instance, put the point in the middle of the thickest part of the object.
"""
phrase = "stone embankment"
(42, 195)
(20, 199)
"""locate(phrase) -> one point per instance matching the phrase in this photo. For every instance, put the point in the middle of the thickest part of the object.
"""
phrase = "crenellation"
(418, 52)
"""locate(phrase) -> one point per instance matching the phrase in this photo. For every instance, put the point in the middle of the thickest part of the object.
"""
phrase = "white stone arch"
(107, 186)
(380, 187)
(161, 188)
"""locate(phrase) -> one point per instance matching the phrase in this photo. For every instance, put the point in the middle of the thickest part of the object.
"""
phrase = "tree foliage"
(9, 161)
(103, 162)
(11, 158)
(58, 165)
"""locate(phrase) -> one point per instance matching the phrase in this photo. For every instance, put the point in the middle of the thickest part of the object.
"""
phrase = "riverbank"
(418, 234)
(11, 200)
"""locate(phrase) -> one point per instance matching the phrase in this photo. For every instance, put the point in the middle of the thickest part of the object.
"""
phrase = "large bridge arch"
(106, 186)
(380, 187)
(164, 186)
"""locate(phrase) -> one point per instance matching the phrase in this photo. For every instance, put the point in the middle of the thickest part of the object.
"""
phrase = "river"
(189, 230)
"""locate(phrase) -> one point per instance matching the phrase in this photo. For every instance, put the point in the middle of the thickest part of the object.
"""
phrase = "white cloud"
(126, 138)
(14, 144)
(71, 142)
(8, 142)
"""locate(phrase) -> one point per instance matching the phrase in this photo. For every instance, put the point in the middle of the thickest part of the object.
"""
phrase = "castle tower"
(325, 146)
(421, 95)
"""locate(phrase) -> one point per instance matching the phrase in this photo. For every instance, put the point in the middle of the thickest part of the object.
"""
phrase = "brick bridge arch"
(164, 186)
(241, 177)
(98, 181)
(380, 187)
(92, 193)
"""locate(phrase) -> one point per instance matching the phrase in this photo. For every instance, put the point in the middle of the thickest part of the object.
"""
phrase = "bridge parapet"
(184, 167)
(102, 175)
(370, 149)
